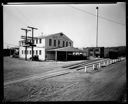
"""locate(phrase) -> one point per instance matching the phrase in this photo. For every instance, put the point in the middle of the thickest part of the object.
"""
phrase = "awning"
(66, 49)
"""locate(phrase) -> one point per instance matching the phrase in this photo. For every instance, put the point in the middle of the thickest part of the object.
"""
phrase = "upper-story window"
(40, 40)
(66, 44)
(22, 43)
(63, 43)
(36, 41)
(69, 43)
(50, 42)
(36, 52)
(30, 52)
(58, 42)
(54, 42)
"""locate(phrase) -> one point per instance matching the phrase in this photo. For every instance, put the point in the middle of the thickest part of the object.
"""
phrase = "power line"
(24, 16)
(95, 15)
(28, 20)
(10, 44)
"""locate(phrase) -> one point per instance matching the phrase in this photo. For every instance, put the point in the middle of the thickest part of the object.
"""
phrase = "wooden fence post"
(85, 68)
(93, 66)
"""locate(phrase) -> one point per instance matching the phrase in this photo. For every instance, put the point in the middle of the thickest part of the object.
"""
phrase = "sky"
(77, 21)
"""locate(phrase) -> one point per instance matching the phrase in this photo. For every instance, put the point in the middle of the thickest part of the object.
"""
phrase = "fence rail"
(102, 63)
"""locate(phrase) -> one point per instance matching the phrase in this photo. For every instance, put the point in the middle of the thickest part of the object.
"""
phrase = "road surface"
(106, 84)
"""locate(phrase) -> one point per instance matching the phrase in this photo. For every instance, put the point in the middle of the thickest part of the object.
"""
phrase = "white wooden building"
(44, 44)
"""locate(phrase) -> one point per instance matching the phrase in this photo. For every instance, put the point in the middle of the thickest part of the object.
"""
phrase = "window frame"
(58, 42)
(39, 52)
(50, 42)
(36, 41)
(63, 43)
(67, 44)
(40, 40)
(54, 42)
(36, 52)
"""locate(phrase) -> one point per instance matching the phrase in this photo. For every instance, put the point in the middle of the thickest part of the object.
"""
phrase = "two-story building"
(52, 47)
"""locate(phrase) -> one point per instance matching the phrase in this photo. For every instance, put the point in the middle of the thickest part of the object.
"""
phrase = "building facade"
(43, 44)
(94, 51)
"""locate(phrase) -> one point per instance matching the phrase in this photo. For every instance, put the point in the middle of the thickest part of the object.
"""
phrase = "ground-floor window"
(30, 52)
(39, 52)
(36, 52)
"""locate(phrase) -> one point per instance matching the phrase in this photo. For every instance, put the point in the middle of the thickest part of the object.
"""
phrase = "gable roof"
(67, 49)
(55, 34)
(42, 36)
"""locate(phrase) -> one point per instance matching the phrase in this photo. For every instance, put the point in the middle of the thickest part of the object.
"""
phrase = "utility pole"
(32, 38)
(26, 31)
(97, 28)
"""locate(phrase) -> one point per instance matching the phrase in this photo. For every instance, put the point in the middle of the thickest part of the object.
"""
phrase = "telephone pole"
(97, 28)
(32, 38)
(26, 31)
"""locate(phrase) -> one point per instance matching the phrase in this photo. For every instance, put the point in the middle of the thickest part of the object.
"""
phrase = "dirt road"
(44, 74)
(106, 84)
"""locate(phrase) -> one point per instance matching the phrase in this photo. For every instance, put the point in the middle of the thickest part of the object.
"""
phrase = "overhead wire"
(95, 15)
(10, 44)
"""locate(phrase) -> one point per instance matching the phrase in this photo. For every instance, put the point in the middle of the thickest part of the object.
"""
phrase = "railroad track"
(54, 73)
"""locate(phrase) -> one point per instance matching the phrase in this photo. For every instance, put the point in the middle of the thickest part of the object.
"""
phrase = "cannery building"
(52, 47)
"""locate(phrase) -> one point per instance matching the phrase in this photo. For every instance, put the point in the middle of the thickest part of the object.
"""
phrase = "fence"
(102, 63)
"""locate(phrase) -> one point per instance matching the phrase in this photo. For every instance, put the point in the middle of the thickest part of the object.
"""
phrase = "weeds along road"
(106, 84)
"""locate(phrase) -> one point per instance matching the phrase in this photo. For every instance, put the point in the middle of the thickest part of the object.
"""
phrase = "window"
(40, 40)
(40, 52)
(50, 42)
(63, 44)
(30, 52)
(70, 43)
(54, 42)
(58, 42)
(36, 41)
(66, 44)
(22, 42)
(36, 52)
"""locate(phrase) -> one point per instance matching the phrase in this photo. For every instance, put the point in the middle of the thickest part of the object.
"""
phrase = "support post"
(97, 28)
(26, 31)
(55, 55)
(107, 62)
(85, 68)
(93, 66)
(99, 65)
(32, 38)
(104, 63)
(66, 55)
